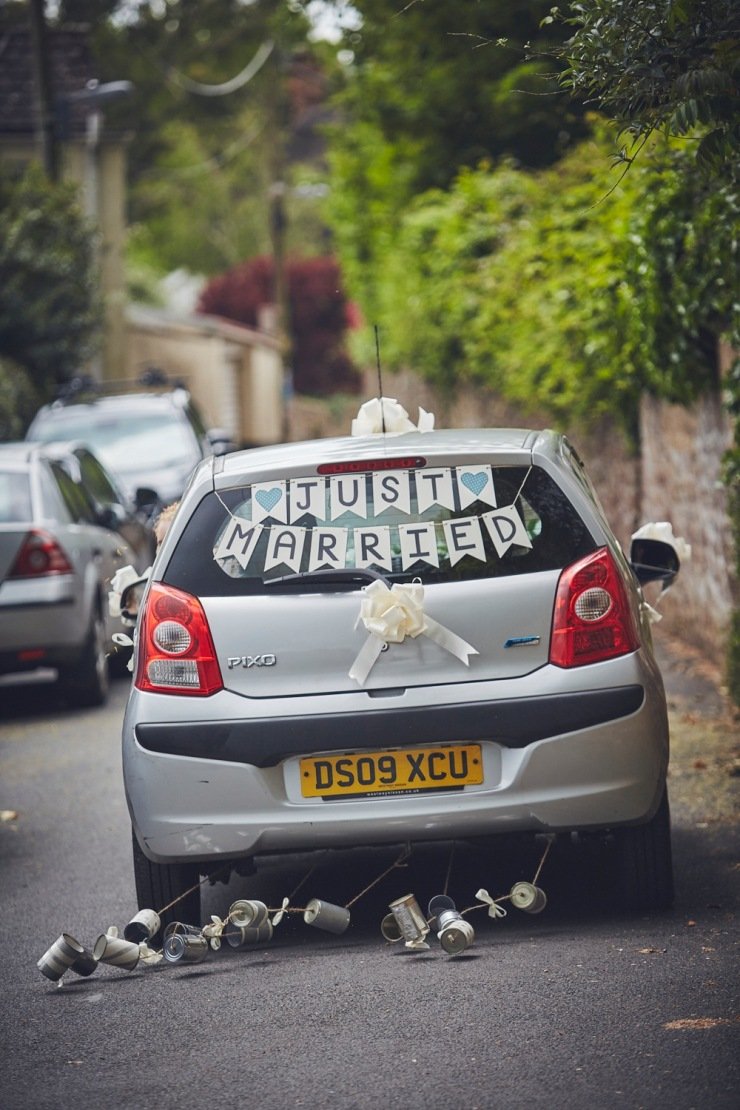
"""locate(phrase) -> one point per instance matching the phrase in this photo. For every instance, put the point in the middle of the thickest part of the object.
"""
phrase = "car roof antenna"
(380, 377)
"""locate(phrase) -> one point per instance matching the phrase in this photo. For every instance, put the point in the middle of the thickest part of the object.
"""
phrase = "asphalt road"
(578, 1007)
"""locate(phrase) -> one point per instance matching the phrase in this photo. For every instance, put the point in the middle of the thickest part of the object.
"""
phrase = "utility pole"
(277, 226)
(43, 90)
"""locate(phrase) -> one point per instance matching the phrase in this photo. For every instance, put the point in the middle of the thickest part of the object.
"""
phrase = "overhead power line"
(225, 87)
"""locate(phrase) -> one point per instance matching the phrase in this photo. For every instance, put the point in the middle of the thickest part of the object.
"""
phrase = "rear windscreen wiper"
(327, 575)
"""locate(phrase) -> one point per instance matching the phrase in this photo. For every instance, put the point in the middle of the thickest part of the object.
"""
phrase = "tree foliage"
(317, 316)
(670, 65)
(432, 88)
(49, 312)
(206, 135)
(561, 292)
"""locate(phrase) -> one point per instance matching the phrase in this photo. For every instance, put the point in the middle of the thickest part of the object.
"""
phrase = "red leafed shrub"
(318, 311)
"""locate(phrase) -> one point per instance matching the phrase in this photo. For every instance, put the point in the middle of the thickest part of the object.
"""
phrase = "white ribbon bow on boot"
(390, 615)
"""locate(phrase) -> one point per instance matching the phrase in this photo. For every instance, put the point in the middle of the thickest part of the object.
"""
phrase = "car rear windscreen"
(437, 525)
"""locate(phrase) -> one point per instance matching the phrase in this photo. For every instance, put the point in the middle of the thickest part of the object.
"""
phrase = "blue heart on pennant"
(476, 483)
(268, 498)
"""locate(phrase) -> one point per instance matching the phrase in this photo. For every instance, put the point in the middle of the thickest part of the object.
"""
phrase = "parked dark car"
(58, 555)
(149, 441)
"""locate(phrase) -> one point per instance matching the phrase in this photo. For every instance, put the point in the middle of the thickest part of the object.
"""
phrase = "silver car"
(390, 639)
(56, 564)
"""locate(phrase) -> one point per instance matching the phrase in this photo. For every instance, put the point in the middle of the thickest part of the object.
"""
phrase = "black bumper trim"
(515, 723)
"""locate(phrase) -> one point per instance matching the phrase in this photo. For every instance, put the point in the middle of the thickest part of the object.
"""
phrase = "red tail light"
(176, 652)
(40, 555)
(593, 618)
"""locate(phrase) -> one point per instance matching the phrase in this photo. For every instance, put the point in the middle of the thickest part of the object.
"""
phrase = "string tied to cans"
(250, 923)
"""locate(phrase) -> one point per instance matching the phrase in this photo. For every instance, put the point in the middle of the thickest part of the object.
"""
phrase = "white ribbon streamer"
(278, 917)
(148, 955)
(390, 615)
(494, 909)
(120, 582)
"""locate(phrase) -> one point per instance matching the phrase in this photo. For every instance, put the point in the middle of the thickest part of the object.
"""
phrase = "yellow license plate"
(396, 772)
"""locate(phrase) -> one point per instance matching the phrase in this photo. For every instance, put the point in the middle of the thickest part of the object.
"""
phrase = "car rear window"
(15, 496)
(493, 522)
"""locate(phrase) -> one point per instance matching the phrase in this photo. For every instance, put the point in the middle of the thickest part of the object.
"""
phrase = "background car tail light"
(176, 652)
(594, 618)
(40, 555)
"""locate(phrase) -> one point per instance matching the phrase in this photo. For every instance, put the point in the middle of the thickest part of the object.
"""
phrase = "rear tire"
(158, 884)
(86, 684)
(643, 864)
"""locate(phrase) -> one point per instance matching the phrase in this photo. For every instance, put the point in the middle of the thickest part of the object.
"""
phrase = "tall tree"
(670, 65)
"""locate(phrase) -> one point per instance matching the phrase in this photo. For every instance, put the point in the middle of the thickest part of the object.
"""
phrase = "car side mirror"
(109, 518)
(654, 561)
(221, 441)
(131, 599)
(146, 498)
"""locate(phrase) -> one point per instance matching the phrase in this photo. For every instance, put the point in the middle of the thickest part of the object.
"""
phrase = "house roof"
(71, 67)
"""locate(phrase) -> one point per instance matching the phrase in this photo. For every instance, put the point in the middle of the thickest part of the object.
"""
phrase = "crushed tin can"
(116, 952)
(185, 948)
(411, 921)
(247, 912)
(248, 936)
(325, 915)
(142, 927)
(528, 897)
(66, 954)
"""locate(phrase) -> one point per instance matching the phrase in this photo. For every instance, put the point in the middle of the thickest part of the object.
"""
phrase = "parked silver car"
(150, 441)
(56, 563)
(394, 639)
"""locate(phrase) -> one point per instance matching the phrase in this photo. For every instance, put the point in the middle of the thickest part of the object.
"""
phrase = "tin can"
(325, 915)
(248, 936)
(181, 928)
(528, 897)
(142, 927)
(436, 904)
(185, 948)
(454, 932)
(66, 954)
(116, 952)
(411, 921)
(390, 929)
(246, 912)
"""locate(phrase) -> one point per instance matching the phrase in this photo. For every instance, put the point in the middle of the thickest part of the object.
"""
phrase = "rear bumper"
(573, 772)
(512, 723)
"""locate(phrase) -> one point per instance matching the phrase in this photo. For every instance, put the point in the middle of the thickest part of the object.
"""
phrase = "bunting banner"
(277, 506)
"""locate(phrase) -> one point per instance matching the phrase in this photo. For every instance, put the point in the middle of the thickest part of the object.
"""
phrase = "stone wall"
(682, 450)
(677, 477)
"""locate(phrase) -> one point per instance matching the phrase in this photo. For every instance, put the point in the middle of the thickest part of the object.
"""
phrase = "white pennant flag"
(505, 528)
(269, 500)
(392, 490)
(285, 545)
(307, 495)
(475, 483)
(373, 548)
(434, 487)
(418, 544)
(348, 495)
(464, 537)
(328, 548)
(239, 540)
